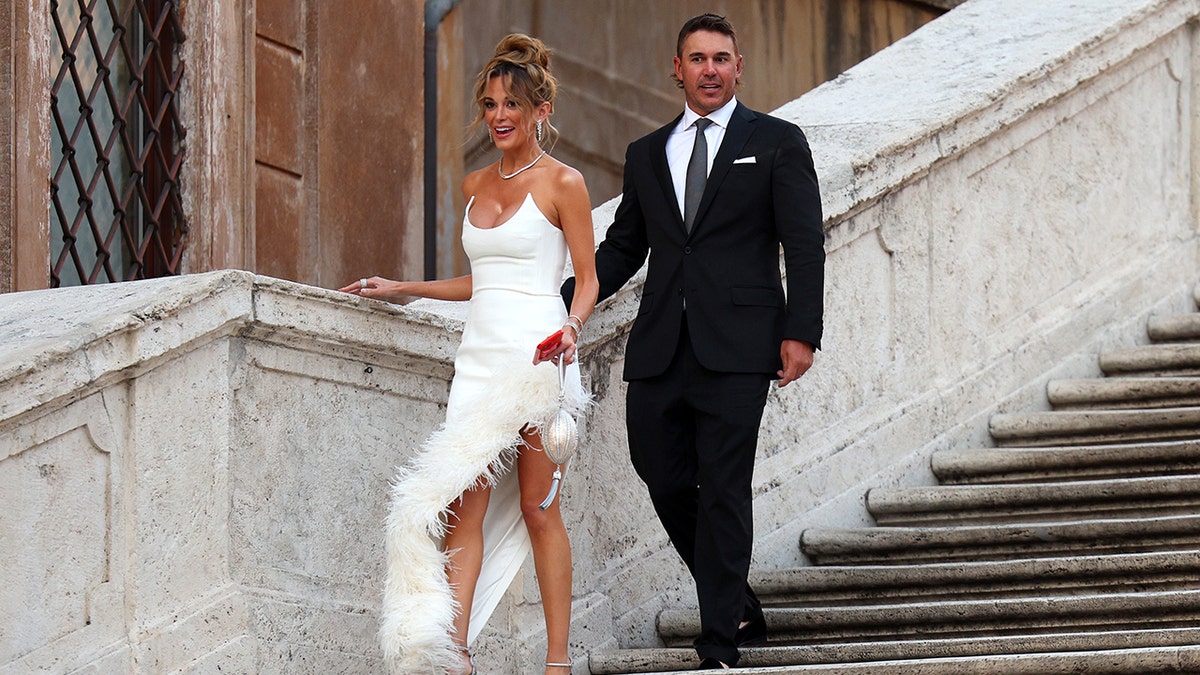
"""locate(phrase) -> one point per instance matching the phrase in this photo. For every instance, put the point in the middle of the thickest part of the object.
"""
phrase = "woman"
(524, 213)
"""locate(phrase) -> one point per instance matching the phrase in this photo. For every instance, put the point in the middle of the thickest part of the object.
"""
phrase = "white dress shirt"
(681, 140)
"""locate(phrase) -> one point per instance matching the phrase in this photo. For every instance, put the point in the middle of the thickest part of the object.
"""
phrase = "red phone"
(550, 343)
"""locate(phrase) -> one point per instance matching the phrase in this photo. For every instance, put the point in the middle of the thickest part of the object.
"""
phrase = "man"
(711, 208)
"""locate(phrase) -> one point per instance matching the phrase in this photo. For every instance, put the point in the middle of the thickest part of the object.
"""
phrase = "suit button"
(687, 250)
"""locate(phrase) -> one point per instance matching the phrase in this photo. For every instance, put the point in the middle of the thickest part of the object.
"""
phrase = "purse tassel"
(553, 489)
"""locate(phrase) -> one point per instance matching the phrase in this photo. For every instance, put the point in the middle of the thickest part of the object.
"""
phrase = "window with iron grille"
(115, 208)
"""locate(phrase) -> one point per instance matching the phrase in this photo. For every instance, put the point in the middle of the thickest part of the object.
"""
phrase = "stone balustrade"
(193, 471)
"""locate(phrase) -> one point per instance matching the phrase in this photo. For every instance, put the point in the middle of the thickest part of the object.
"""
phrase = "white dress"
(516, 271)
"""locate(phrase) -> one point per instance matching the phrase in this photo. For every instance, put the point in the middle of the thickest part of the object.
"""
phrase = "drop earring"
(539, 131)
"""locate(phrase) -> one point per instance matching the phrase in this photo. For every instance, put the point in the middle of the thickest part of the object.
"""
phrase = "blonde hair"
(524, 63)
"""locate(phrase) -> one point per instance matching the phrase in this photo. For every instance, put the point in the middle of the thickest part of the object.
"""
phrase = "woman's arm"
(574, 209)
(458, 288)
(378, 288)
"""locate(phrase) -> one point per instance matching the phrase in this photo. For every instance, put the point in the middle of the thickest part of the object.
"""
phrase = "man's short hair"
(712, 22)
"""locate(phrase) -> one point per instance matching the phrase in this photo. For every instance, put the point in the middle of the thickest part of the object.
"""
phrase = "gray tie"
(697, 174)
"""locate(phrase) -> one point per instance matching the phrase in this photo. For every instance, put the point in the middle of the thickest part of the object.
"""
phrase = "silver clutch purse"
(560, 438)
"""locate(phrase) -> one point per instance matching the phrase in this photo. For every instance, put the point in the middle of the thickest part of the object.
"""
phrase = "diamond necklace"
(506, 176)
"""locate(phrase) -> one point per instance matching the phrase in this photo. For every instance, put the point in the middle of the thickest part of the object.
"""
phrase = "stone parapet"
(194, 471)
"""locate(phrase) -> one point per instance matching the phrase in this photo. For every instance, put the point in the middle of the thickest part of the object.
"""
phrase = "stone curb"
(1100, 426)
(994, 465)
(950, 504)
(1165, 359)
(896, 545)
(823, 585)
(1180, 657)
(1174, 328)
(1124, 393)
(958, 618)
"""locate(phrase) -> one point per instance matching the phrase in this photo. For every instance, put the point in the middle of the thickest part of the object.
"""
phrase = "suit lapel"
(662, 170)
(740, 127)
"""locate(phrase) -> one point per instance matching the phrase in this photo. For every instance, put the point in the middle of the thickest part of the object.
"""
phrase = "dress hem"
(418, 606)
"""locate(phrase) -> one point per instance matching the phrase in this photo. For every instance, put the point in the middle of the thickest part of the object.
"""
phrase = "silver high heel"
(470, 659)
(551, 664)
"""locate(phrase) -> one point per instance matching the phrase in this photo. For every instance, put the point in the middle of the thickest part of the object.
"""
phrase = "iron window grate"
(117, 151)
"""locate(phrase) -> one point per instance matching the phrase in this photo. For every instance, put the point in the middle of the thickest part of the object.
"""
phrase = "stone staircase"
(1071, 547)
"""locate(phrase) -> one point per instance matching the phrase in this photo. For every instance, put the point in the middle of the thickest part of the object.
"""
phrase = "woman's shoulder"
(563, 175)
(472, 182)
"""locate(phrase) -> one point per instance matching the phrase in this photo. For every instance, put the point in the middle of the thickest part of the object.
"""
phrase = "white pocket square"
(745, 160)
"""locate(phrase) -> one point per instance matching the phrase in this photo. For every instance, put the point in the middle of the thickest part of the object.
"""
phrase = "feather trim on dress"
(482, 441)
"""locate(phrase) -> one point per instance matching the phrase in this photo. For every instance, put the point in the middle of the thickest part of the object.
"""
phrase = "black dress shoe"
(711, 664)
(752, 634)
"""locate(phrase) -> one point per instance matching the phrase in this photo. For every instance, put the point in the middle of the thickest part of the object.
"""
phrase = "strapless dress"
(516, 271)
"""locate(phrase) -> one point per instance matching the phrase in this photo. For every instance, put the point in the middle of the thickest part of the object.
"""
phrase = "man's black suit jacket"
(726, 270)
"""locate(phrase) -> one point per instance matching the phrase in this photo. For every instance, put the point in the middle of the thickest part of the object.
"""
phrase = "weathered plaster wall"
(7, 115)
(24, 146)
(216, 106)
(290, 174)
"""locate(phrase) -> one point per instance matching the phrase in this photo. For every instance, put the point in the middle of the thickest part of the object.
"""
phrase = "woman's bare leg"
(551, 549)
(464, 541)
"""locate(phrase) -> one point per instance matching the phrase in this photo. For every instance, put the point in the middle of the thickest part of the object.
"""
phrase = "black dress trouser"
(692, 438)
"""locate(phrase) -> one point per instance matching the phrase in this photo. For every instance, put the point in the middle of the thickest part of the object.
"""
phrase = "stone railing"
(194, 471)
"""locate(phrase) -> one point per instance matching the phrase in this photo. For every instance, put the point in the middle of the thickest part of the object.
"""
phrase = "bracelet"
(576, 323)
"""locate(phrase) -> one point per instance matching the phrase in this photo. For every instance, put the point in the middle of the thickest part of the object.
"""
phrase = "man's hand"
(797, 359)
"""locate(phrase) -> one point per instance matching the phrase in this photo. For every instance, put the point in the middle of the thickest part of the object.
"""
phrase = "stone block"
(54, 539)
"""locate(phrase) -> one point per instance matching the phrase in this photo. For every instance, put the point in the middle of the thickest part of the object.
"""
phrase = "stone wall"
(194, 470)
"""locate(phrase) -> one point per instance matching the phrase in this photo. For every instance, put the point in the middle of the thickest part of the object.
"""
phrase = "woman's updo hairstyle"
(524, 63)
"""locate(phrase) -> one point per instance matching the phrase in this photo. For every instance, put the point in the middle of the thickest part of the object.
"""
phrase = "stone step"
(1034, 502)
(1011, 465)
(1072, 547)
(1174, 328)
(1114, 653)
(1095, 426)
(1120, 393)
(900, 545)
(959, 618)
(1160, 359)
(889, 584)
